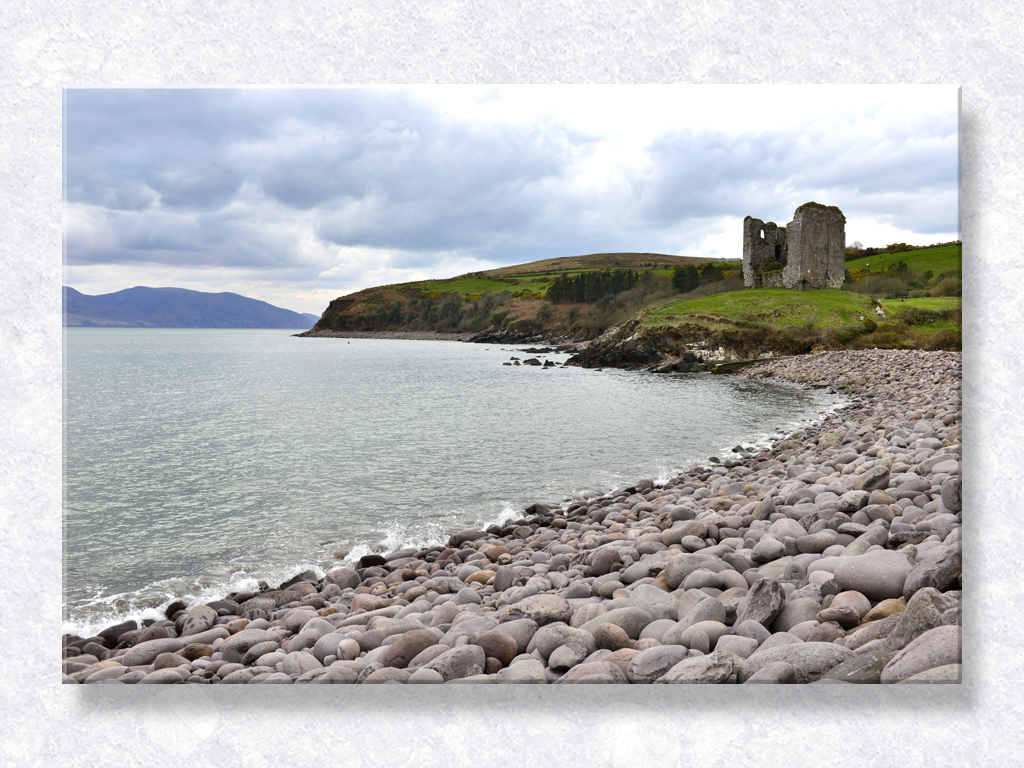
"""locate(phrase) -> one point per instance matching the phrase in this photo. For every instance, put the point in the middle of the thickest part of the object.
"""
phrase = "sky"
(296, 196)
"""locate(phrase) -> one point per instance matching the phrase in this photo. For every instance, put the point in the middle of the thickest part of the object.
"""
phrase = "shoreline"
(856, 579)
(409, 335)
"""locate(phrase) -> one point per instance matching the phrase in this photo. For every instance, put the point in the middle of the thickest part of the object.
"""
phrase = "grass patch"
(463, 286)
(773, 307)
(935, 304)
(947, 258)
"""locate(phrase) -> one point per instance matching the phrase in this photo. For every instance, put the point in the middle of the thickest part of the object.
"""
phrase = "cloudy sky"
(297, 196)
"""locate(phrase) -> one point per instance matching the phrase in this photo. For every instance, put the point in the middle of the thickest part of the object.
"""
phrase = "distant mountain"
(143, 307)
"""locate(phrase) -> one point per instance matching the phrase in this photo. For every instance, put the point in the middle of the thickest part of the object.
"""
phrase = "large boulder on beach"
(550, 637)
(465, 536)
(543, 609)
(713, 668)
(657, 602)
(950, 491)
(344, 577)
(145, 653)
(935, 648)
(112, 633)
(238, 645)
(679, 567)
(520, 630)
(603, 560)
(925, 610)
(600, 672)
(407, 647)
(796, 611)
(460, 662)
(631, 620)
(877, 575)
(762, 603)
(711, 630)
(497, 645)
(940, 573)
(874, 479)
(864, 668)
(810, 661)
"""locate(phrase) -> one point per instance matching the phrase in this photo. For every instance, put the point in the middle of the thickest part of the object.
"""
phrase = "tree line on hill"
(591, 287)
(685, 279)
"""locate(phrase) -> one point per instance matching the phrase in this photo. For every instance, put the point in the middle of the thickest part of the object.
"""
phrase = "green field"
(775, 307)
(936, 304)
(463, 286)
(825, 319)
(947, 258)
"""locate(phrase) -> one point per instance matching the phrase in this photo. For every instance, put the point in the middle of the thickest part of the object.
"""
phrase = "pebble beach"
(832, 557)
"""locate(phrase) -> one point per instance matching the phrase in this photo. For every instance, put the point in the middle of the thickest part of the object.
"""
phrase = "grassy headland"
(906, 298)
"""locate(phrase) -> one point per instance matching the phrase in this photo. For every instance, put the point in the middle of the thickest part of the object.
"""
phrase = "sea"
(197, 462)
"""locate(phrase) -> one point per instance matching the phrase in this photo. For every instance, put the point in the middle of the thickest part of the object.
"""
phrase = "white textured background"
(47, 45)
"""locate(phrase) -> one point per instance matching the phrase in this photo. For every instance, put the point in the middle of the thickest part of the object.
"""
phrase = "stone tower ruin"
(806, 254)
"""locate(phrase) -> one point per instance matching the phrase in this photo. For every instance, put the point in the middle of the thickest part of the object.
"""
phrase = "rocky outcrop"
(686, 347)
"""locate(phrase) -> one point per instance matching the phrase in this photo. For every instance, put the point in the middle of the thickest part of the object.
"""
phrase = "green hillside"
(531, 280)
(916, 289)
(775, 307)
(946, 258)
(510, 300)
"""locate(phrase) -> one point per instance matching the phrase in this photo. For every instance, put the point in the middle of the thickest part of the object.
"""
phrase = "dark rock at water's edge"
(683, 348)
(833, 557)
(508, 336)
(143, 307)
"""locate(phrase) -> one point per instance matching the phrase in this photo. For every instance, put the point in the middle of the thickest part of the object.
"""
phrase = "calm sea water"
(199, 461)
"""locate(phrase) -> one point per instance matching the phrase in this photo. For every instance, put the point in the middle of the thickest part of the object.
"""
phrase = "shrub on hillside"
(684, 279)
(948, 339)
(950, 286)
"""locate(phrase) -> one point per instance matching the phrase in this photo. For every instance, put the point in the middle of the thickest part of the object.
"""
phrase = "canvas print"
(512, 385)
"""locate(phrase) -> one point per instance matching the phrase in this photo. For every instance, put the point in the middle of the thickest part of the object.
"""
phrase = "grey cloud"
(380, 168)
(767, 175)
(238, 238)
(231, 177)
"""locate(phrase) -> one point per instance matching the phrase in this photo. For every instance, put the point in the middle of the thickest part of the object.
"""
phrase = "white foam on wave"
(399, 534)
(150, 602)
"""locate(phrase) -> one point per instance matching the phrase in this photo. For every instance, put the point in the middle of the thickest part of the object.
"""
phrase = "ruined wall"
(762, 242)
(811, 249)
(818, 235)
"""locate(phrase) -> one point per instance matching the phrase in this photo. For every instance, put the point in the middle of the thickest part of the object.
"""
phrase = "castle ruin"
(806, 254)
